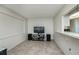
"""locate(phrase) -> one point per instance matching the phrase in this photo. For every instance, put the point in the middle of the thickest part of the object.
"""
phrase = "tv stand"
(39, 37)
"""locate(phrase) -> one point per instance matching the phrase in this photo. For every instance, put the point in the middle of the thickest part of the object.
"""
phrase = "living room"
(37, 29)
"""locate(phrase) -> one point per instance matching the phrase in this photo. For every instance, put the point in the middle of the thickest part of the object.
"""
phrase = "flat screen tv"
(38, 29)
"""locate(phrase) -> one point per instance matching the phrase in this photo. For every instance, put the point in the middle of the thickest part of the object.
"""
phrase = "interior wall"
(46, 22)
(75, 25)
(58, 19)
(62, 43)
(12, 29)
(72, 25)
(69, 45)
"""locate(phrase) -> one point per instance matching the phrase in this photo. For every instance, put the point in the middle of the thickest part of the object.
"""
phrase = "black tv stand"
(39, 37)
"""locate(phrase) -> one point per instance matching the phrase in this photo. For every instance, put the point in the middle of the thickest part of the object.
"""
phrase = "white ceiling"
(36, 10)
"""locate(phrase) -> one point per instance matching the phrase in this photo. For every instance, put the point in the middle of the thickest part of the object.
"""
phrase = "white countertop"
(74, 35)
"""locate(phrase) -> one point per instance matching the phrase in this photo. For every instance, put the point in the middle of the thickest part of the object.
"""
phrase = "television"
(39, 29)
